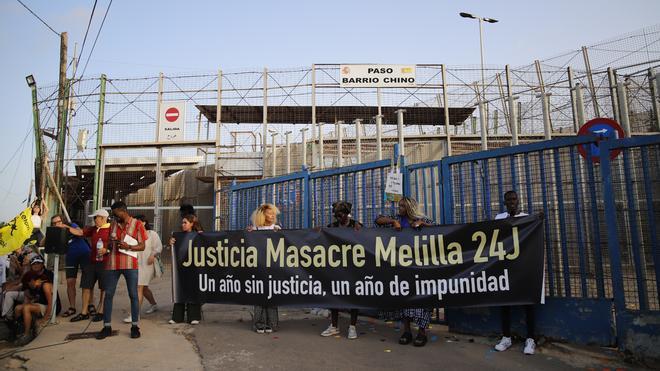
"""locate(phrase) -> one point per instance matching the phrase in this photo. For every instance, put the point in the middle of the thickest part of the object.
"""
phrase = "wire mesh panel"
(287, 193)
(361, 185)
(425, 186)
(635, 185)
(549, 177)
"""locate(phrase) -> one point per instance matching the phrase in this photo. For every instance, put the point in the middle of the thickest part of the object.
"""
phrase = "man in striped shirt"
(127, 235)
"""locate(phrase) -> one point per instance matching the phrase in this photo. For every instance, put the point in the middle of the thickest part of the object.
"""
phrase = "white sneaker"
(530, 346)
(151, 309)
(194, 322)
(330, 331)
(352, 332)
(171, 322)
(128, 319)
(504, 344)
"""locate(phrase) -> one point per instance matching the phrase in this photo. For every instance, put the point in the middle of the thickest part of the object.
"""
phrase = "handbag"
(159, 268)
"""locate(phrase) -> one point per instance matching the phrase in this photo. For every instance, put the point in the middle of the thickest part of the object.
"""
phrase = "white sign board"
(172, 121)
(394, 186)
(377, 75)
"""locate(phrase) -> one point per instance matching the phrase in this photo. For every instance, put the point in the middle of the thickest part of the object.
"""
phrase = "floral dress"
(420, 316)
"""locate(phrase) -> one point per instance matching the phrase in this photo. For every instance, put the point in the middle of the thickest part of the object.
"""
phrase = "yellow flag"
(16, 232)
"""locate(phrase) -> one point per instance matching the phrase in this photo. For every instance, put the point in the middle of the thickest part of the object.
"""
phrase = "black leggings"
(506, 321)
(193, 310)
(335, 316)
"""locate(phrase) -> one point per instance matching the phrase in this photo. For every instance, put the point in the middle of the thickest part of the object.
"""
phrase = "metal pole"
(513, 121)
(495, 121)
(613, 95)
(321, 162)
(502, 99)
(654, 86)
(304, 147)
(273, 156)
(358, 139)
(571, 87)
(265, 117)
(314, 149)
(218, 146)
(545, 106)
(622, 91)
(158, 192)
(340, 147)
(481, 47)
(379, 134)
(579, 105)
(399, 131)
(38, 146)
(592, 87)
(159, 105)
(482, 120)
(445, 108)
(99, 141)
(513, 115)
(288, 151)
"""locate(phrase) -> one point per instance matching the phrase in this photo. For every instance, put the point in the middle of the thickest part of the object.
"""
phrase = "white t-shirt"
(505, 215)
(36, 221)
(273, 227)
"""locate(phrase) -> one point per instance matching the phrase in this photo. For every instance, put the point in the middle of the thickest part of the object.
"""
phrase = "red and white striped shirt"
(117, 259)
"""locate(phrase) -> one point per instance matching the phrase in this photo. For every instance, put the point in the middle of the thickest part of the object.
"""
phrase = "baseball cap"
(100, 212)
(36, 259)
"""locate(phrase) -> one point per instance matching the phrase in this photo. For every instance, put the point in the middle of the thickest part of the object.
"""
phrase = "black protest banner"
(480, 264)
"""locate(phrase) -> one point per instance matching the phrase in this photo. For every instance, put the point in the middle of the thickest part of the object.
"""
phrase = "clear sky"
(142, 38)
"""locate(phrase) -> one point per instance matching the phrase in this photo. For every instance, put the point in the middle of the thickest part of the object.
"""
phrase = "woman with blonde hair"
(409, 216)
(264, 218)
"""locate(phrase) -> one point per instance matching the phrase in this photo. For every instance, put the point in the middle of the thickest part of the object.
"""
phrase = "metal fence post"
(654, 86)
(99, 141)
(623, 108)
(612, 238)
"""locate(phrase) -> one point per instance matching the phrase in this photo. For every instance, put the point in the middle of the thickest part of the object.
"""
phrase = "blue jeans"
(110, 279)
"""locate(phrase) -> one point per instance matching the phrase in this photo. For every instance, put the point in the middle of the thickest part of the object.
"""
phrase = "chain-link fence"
(256, 111)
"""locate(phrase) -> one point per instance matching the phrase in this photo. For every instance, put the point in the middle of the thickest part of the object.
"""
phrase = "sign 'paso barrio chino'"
(377, 76)
(487, 263)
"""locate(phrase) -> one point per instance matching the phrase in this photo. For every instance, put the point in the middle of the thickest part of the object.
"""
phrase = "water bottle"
(99, 246)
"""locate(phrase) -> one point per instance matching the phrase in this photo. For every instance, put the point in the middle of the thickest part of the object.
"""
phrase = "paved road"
(224, 341)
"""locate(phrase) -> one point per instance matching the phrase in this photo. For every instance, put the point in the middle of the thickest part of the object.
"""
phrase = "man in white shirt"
(512, 211)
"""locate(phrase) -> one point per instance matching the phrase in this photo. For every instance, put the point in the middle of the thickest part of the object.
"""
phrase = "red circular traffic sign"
(602, 129)
(172, 114)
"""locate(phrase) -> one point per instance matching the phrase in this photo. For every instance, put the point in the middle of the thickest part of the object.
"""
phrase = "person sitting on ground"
(409, 217)
(99, 234)
(266, 318)
(189, 225)
(146, 270)
(38, 303)
(341, 210)
(512, 203)
(12, 289)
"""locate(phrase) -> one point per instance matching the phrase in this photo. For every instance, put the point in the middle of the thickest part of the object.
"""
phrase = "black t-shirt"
(37, 294)
(351, 224)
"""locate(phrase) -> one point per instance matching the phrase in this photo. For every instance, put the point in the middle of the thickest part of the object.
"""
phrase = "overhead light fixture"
(466, 15)
(142, 177)
(490, 20)
(30, 81)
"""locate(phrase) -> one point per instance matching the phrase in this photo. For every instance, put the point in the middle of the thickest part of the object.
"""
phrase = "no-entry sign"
(172, 121)
(602, 129)
(172, 114)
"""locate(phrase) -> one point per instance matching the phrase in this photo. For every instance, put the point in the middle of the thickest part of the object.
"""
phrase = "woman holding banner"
(341, 210)
(408, 217)
(189, 224)
(264, 218)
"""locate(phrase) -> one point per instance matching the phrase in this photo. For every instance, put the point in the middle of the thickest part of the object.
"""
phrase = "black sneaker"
(135, 332)
(107, 331)
(98, 317)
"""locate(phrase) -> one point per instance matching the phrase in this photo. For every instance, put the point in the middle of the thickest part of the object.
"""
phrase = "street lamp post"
(481, 41)
(481, 101)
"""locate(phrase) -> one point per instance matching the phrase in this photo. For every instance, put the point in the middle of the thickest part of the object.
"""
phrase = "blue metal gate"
(600, 222)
